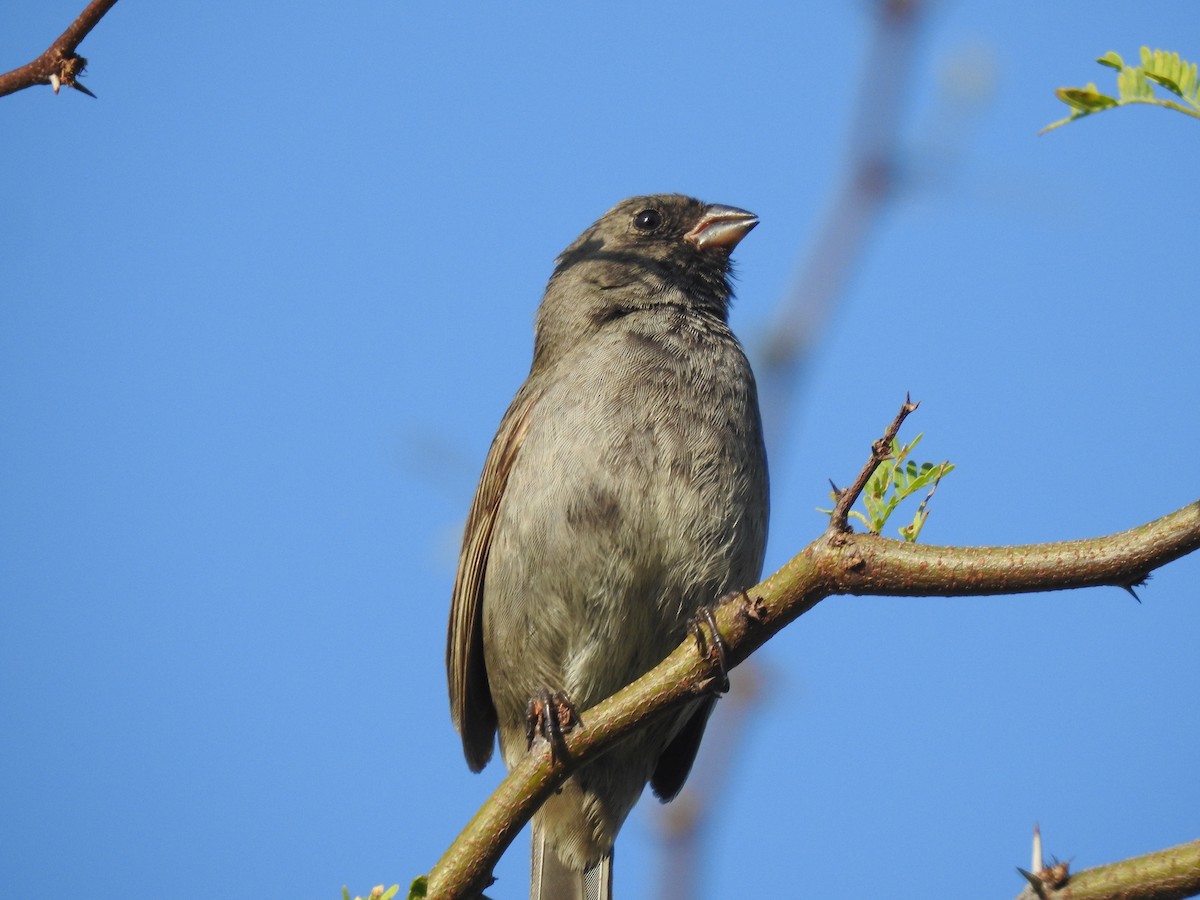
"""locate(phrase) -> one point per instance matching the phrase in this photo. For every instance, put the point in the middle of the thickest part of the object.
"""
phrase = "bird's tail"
(551, 880)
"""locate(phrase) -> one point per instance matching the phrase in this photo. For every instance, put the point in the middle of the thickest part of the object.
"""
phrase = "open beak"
(721, 226)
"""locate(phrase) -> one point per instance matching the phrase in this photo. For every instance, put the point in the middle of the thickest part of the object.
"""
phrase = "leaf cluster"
(897, 479)
(1136, 84)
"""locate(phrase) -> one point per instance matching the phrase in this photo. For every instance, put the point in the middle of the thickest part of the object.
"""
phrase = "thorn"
(1036, 863)
(70, 70)
(755, 608)
(1034, 882)
(1136, 583)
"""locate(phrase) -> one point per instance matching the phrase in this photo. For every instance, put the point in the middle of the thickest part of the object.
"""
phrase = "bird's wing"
(471, 704)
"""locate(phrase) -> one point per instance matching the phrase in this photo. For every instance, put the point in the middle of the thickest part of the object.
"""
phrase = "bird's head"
(663, 251)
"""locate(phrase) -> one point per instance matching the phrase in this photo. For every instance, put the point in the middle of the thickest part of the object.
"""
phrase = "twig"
(59, 65)
(880, 450)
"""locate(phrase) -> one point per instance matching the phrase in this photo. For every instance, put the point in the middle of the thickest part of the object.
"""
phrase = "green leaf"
(1132, 85)
(911, 532)
(1085, 100)
(1167, 69)
(418, 890)
(1112, 59)
(1166, 82)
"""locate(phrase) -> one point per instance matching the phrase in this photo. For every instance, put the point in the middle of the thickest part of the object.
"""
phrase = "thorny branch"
(59, 65)
(837, 562)
(1170, 874)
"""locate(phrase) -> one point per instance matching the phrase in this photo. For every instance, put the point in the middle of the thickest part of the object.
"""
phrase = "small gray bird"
(625, 489)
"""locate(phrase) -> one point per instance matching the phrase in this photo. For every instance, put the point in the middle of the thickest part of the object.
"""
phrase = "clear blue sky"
(263, 303)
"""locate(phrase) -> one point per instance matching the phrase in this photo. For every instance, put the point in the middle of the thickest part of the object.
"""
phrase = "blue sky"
(263, 303)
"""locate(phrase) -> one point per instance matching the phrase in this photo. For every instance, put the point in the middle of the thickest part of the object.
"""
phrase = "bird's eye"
(647, 220)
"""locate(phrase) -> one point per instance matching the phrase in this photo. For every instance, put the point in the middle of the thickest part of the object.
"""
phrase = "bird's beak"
(721, 226)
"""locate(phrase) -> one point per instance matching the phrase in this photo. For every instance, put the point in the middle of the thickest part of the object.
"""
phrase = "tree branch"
(1170, 874)
(868, 564)
(59, 64)
(838, 562)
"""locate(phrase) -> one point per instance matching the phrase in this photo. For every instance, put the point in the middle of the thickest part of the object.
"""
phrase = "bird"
(625, 491)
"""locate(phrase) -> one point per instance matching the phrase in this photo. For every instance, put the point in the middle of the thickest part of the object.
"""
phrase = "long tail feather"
(551, 880)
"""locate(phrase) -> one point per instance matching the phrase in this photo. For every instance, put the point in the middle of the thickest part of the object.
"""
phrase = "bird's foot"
(712, 645)
(551, 715)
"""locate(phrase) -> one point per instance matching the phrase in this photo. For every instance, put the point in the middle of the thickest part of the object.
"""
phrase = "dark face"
(654, 225)
(649, 232)
(659, 242)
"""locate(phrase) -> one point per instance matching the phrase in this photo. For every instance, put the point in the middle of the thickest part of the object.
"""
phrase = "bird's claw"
(714, 648)
(551, 715)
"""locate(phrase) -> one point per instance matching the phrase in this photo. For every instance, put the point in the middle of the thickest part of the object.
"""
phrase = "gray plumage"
(625, 488)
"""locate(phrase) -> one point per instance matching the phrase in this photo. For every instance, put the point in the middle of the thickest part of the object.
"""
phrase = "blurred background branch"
(841, 239)
(873, 169)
